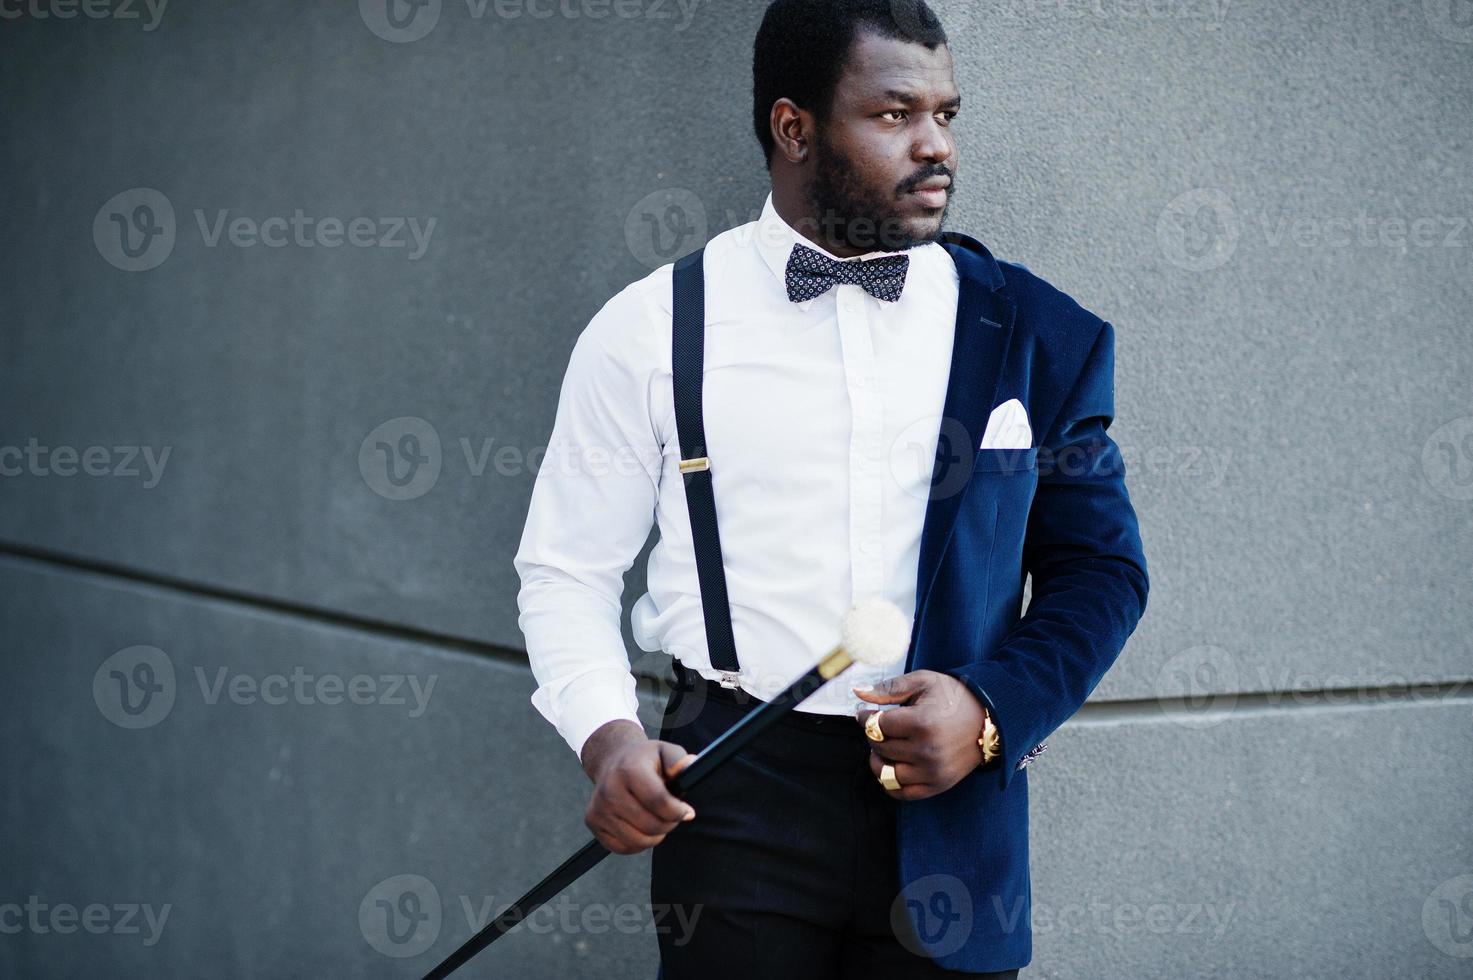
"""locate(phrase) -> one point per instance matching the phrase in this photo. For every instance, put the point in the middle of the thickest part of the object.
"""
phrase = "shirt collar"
(775, 241)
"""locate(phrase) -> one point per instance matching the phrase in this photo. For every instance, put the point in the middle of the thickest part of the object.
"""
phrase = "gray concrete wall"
(1271, 202)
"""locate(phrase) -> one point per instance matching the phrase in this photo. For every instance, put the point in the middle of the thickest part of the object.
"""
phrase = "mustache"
(918, 179)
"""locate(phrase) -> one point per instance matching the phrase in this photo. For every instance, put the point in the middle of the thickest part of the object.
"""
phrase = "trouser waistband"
(703, 705)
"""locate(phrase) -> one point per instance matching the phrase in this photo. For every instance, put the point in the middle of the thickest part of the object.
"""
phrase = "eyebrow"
(909, 98)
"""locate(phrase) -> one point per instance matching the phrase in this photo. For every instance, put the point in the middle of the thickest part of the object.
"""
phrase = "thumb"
(894, 690)
(673, 758)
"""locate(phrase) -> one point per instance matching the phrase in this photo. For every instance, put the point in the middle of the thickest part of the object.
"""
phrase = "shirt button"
(868, 547)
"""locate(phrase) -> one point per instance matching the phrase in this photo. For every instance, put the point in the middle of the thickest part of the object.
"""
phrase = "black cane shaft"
(566, 873)
(728, 744)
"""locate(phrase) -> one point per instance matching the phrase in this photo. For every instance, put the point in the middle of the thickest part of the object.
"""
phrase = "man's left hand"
(931, 740)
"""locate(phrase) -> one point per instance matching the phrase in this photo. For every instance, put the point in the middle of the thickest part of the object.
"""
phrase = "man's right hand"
(631, 810)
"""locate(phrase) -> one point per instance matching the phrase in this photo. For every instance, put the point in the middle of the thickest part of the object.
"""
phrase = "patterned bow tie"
(812, 274)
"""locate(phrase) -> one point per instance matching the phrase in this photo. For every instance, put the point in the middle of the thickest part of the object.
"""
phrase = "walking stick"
(874, 632)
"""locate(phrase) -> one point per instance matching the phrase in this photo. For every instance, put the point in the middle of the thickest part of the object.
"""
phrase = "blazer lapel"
(984, 324)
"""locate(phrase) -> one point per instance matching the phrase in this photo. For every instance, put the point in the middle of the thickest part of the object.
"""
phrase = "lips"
(933, 198)
(932, 193)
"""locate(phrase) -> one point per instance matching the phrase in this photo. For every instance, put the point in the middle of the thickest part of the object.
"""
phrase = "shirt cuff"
(586, 703)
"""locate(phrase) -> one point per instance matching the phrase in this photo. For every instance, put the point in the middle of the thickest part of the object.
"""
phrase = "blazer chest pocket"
(1006, 461)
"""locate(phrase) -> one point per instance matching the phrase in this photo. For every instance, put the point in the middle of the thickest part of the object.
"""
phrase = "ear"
(792, 129)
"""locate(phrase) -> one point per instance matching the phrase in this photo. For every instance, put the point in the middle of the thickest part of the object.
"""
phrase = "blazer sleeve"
(1083, 548)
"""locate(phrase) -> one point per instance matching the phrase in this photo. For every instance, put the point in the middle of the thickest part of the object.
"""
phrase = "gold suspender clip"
(695, 465)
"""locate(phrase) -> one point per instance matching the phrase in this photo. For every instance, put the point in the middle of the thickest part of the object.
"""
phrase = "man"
(889, 412)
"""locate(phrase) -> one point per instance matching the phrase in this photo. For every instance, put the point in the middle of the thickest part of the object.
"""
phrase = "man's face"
(886, 150)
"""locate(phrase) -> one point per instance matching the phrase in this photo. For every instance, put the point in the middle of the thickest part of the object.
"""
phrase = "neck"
(790, 200)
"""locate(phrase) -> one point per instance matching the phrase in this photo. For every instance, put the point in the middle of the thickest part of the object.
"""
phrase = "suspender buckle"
(695, 465)
(729, 680)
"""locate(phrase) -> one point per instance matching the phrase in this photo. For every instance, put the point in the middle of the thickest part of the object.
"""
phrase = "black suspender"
(687, 368)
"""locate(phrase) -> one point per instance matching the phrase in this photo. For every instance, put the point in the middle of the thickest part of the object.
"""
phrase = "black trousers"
(788, 871)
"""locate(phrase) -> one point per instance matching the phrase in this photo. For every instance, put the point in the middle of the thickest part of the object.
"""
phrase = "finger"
(630, 839)
(655, 799)
(632, 810)
(903, 722)
(898, 750)
(906, 773)
(912, 791)
(893, 690)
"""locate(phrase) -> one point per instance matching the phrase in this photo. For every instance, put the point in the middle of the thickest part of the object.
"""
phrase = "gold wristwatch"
(989, 738)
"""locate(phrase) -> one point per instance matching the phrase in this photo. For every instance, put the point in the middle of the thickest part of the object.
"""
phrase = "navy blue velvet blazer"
(1057, 510)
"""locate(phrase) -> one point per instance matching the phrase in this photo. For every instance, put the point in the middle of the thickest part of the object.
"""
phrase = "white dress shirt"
(821, 424)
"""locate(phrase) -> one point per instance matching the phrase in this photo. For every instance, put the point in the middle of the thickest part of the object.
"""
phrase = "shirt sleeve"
(592, 507)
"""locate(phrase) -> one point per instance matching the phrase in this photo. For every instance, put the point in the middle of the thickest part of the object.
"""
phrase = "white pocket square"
(1007, 427)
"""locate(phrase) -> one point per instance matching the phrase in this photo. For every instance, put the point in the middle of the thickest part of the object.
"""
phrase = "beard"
(855, 215)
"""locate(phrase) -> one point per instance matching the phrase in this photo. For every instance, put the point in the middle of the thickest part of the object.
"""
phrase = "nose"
(933, 144)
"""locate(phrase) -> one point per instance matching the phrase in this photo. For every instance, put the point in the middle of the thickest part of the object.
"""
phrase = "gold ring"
(872, 728)
(887, 777)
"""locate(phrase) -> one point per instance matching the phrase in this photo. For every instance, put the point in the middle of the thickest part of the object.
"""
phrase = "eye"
(894, 112)
(949, 115)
